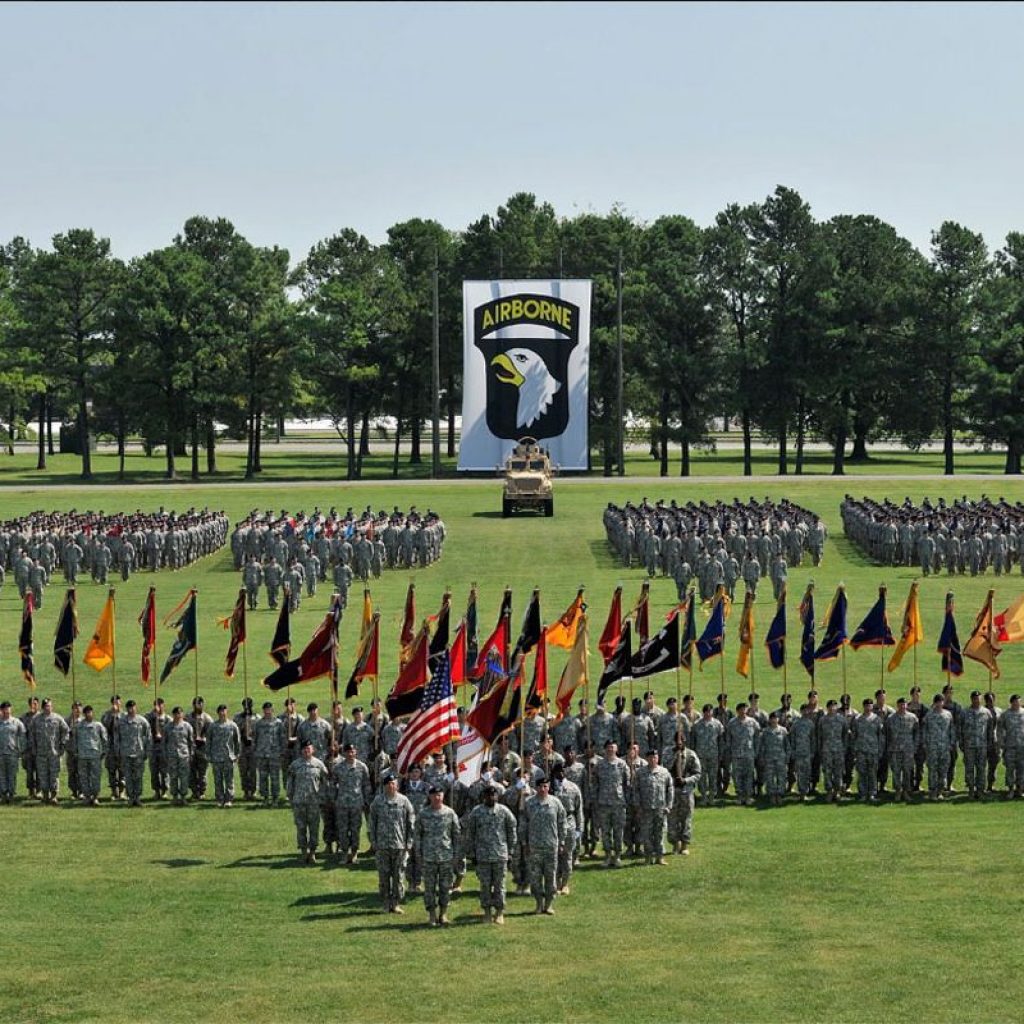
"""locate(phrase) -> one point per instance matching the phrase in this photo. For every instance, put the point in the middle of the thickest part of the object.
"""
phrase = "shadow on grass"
(489, 514)
(180, 862)
(604, 557)
(270, 861)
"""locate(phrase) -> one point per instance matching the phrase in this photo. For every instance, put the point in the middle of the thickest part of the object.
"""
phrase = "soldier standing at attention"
(111, 720)
(307, 776)
(490, 838)
(611, 777)
(179, 750)
(48, 738)
(268, 732)
(352, 793)
(938, 736)
(391, 834)
(436, 835)
(134, 742)
(200, 722)
(13, 744)
(90, 743)
(224, 746)
(655, 795)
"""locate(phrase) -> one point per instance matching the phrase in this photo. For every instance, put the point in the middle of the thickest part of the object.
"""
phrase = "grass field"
(804, 913)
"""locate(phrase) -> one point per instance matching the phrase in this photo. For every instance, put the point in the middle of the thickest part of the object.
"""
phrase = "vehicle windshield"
(537, 464)
(517, 464)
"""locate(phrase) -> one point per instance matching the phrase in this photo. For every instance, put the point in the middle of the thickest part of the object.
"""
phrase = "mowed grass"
(804, 913)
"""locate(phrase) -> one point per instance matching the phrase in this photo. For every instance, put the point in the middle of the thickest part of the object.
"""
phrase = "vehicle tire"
(549, 507)
(506, 508)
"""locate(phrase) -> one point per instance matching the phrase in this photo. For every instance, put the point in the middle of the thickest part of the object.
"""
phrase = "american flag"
(435, 723)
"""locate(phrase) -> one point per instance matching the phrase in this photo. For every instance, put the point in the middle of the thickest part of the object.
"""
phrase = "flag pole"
(245, 672)
(74, 608)
(843, 656)
(113, 638)
(154, 661)
(195, 659)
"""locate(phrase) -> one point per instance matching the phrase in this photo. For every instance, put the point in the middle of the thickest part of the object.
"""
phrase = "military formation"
(960, 537)
(294, 553)
(34, 547)
(716, 544)
(555, 791)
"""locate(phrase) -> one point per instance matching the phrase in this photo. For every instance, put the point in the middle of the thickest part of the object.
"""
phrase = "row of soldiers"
(714, 544)
(966, 536)
(179, 748)
(368, 542)
(36, 546)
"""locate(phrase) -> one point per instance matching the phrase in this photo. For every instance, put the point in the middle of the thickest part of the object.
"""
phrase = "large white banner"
(526, 356)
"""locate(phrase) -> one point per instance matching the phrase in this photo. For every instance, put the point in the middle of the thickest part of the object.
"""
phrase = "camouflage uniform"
(938, 736)
(13, 744)
(611, 779)
(1011, 740)
(267, 744)
(741, 737)
(832, 740)
(868, 744)
(686, 773)
(225, 743)
(545, 827)
(901, 741)
(803, 737)
(571, 797)
(90, 742)
(392, 820)
(352, 794)
(974, 728)
(436, 834)
(708, 737)
(179, 749)
(773, 745)
(306, 780)
(655, 796)
(489, 837)
(134, 742)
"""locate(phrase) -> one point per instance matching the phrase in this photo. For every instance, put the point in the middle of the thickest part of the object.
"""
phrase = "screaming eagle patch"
(527, 369)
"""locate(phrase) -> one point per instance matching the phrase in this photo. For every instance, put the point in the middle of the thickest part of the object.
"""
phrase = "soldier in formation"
(715, 543)
(959, 537)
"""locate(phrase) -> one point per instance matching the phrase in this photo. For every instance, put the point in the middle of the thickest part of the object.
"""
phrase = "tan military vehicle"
(527, 472)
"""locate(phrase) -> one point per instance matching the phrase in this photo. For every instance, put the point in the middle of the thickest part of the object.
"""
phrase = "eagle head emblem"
(524, 369)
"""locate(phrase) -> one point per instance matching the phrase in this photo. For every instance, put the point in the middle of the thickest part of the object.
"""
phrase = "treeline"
(796, 328)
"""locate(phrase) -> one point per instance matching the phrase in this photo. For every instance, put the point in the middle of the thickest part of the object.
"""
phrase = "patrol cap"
(198, 702)
(754, 696)
(723, 696)
(489, 790)
(359, 709)
(312, 706)
(435, 789)
(975, 693)
(349, 746)
(651, 752)
(742, 706)
(637, 704)
(938, 699)
(867, 702)
(221, 707)
(542, 781)
(176, 710)
(7, 704)
(130, 703)
(812, 693)
(830, 704)
(115, 698)
(707, 707)
(1013, 696)
(388, 777)
(671, 702)
(87, 708)
(901, 700)
(648, 693)
(267, 704)
(609, 743)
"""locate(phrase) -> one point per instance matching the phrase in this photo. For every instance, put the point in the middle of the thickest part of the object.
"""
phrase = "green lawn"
(804, 913)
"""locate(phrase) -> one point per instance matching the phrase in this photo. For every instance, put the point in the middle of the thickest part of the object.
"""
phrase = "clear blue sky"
(297, 120)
